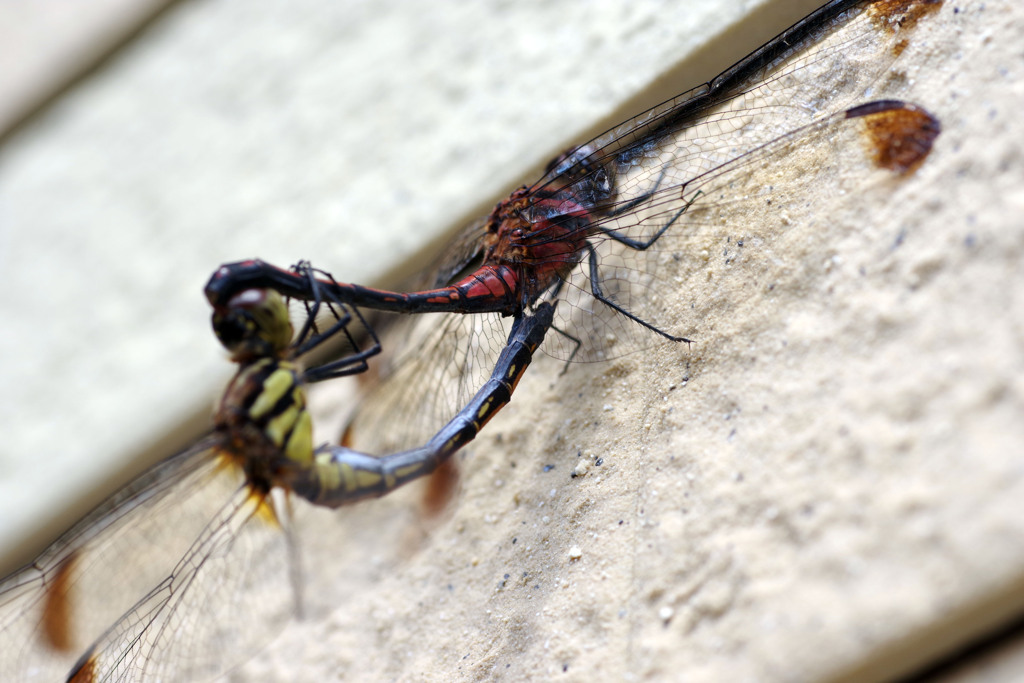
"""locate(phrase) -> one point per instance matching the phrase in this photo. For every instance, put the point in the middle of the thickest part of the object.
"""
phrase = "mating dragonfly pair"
(221, 492)
(581, 260)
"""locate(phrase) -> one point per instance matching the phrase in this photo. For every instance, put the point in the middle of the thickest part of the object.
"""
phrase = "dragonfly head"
(253, 324)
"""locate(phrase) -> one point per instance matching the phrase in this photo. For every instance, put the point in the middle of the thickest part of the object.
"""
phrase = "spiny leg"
(310, 337)
(595, 289)
(643, 245)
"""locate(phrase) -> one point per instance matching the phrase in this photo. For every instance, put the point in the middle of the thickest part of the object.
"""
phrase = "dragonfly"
(613, 223)
(161, 581)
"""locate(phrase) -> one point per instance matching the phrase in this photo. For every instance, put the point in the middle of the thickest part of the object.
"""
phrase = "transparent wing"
(53, 608)
(742, 150)
(163, 560)
(442, 361)
(223, 600)
(744, 205)
(770, 93)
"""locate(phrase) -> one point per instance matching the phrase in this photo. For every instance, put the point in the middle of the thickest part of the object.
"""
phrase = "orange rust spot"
(441, 486)
(57, 611)
(899, 140)
(901, 14)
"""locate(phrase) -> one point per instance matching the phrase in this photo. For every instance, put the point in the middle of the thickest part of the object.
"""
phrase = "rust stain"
(894, 15)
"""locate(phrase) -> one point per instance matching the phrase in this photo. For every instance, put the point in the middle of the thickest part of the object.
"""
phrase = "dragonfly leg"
(642, 245)
(595, 289)
(577, 344)
(633, 203)
(309, 337)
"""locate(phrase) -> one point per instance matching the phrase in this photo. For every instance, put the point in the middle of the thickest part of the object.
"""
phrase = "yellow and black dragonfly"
(162, 580)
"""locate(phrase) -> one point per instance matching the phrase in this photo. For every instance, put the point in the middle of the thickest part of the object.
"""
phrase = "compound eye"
(253, 324)
(230, 327)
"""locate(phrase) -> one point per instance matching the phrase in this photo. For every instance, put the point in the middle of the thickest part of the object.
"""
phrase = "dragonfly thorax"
(540, 235)
(264, 420)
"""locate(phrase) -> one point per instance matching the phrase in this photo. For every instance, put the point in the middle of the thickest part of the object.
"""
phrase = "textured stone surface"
(832, 494)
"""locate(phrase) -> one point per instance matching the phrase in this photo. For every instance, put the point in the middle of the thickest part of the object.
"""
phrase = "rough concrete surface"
(47, 44)
(826, 486)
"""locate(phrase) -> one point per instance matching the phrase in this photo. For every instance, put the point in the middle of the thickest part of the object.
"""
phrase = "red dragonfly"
(613, 223)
